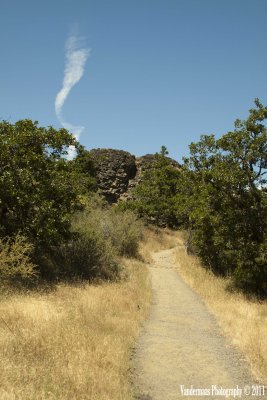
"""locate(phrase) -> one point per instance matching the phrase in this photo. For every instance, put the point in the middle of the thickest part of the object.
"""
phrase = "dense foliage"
(15, 260)
(52, 224)
(99, 235)
(223, 201)
(154, 197)
(220, 196)
(37, 189)
(122, 230)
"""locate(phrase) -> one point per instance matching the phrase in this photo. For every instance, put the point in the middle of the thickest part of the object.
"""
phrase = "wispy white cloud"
(76, 56)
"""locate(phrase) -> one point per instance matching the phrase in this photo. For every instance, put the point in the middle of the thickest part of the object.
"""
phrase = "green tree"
(155, 194)
(83, 167)
(227, 201)
(37, 186)
(163, 151)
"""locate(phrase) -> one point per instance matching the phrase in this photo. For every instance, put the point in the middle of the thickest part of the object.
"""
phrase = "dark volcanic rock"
(118, 172)
(114, 169)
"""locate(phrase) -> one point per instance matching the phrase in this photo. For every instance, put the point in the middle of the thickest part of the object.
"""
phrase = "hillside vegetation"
(53, 226)
(48, 215)
(73, 285)
(219, 196)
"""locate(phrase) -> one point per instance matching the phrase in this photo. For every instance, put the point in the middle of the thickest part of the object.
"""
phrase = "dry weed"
(73, 343)
(156, 239)
(243, 320)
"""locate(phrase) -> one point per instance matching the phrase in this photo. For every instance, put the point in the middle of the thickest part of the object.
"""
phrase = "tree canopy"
(37, 187)
(224, 200)
(154, 196)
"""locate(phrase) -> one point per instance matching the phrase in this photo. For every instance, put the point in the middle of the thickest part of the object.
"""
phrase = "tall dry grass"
(243, 320)
(156, 239)
(75, 342)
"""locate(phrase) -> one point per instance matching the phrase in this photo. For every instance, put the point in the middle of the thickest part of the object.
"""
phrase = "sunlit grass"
(243, 320)
(75, 342)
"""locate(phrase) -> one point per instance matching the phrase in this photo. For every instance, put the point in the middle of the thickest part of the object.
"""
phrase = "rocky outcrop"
(114, 170)
(118, 172)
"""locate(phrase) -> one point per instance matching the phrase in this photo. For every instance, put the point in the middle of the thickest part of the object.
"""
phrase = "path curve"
(181, 343)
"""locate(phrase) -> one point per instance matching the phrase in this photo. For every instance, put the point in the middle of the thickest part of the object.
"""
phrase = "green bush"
(84, 256)
(223, 201)
(98, 236)
(251, 272)
(15, 261)
(87, 256)
(124, 231)
(120, 229)
(155, 195)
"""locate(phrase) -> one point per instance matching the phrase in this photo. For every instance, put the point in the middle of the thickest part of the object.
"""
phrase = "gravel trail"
(181, 344)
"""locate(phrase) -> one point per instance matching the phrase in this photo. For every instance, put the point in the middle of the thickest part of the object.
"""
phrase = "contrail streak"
(76, 57)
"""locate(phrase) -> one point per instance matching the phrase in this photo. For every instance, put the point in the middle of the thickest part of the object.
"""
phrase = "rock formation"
(118, 172)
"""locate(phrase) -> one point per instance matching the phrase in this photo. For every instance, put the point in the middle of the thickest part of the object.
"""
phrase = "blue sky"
(160, 72)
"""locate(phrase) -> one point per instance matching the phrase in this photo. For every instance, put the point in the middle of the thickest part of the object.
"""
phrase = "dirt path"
(181, 343)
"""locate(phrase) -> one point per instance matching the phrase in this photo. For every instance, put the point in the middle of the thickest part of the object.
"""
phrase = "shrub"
(131, 232)
(251, 272)
(122, 230)
(84, 256)
(99, 234)
(87, 256)
(155, 195)
(15, 262)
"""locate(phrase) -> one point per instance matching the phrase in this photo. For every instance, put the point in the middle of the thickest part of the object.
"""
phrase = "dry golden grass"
(156, 239)
(73, 343)
(243, 320)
